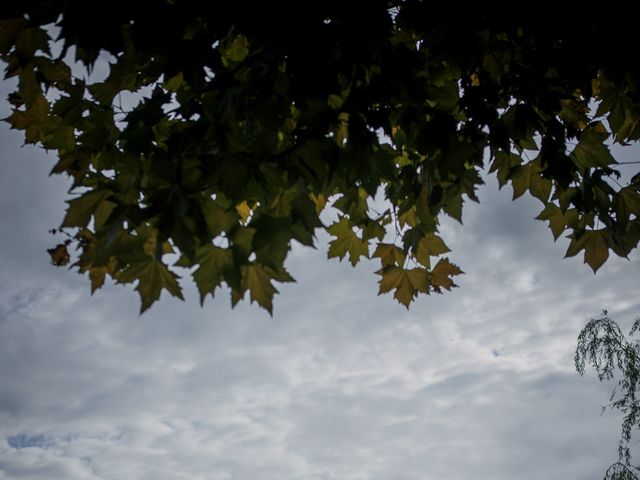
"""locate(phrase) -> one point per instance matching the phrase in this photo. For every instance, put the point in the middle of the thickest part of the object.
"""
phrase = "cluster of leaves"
(254, 122)
(602, 345)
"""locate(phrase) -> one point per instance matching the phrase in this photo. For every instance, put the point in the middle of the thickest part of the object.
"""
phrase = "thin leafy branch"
(603, 346)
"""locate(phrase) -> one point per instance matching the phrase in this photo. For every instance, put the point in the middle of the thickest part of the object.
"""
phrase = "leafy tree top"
(256, 121)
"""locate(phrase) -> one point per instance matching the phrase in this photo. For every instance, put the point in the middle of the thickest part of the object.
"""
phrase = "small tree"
(602, 344)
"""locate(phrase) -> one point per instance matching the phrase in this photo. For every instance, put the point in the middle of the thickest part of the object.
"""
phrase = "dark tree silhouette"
(249, 123)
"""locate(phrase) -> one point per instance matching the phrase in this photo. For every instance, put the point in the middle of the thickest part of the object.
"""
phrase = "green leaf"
(453, 203)
(540, 187)
(235, 51)
(596, 250)
(9, 30)
(30, 40)
(389, 254)
(595, 246)
(346, 242)
(431, 245)
(174, 83)
(152, 276)
(218, 219)
(242, 242)
(213, 262)
(631, 199)
(32, 119)
(503, 164)
(577, 244)
(529, 177)
(335, 101)
(558, 221)
(53, 71)
(407, 283)
(591, 152)
(257, 279)
(80, 209)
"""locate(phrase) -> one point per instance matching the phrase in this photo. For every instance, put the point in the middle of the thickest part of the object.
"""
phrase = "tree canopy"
(249, 121)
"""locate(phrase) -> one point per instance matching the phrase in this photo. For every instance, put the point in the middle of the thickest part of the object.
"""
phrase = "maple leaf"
(153, 276)
(407, 283)
(503, 163)
(389, 254)
(257, 279)
(595, 246)
(81, 208)
(631, 200)
(558, 221)
(528, 177)
(97, 274)
(442, 273)
(596, 250)
(346, 242)
(591, 151)
(59, 255)
(218, 219)
(430, 245)
(212, 261)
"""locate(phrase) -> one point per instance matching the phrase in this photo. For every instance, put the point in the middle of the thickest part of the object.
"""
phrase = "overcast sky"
(339, 384)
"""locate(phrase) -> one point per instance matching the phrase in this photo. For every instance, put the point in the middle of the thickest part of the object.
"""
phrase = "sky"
(340, 383)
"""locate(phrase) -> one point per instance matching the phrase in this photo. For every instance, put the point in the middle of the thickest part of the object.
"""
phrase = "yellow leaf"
(346, 241)
(244, 211)
(431, 245)
(319, 200)
(408, 218)
(59, 255)
(389, 254)
(407, 283)
(97, 275)
(442, 273)
(150, 245)
(596, 250)
(82, 208)
(558, 221)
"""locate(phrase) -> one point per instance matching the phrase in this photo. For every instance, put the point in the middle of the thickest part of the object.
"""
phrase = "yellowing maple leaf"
(442, 273)
(407, 283)
(558, 221)
(389, 254)
(431, 245)
(346, 241)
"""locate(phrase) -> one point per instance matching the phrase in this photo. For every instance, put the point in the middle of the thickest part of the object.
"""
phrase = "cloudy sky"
(339, 384)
